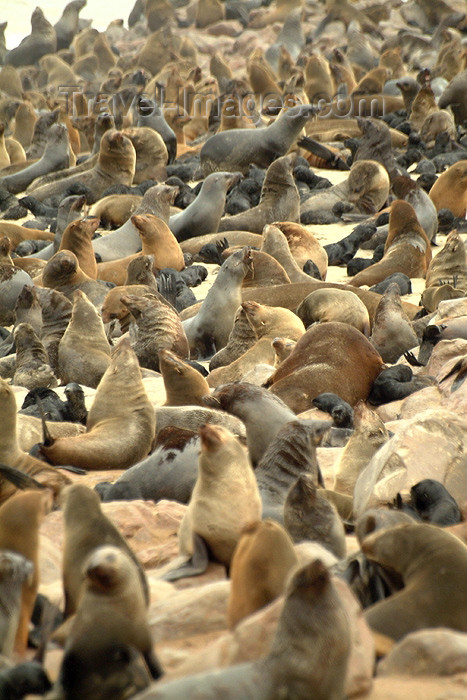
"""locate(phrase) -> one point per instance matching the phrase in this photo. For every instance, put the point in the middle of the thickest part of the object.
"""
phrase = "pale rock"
(450, 308)
(434, 652)
(428, 398)
(430, 688)
(444, 351)
(428, 447)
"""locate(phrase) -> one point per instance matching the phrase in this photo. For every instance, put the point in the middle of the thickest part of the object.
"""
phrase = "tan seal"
(407, 248)
(261, 564)
(32, 362)
(121, 422)
(83, 351)
(433, 565)
(304, 245)
(450, 189)
(324, 305)
(77, 237)
(449, 266)
(392, 334)
(86, 528)
(20, 518)
(184, 385)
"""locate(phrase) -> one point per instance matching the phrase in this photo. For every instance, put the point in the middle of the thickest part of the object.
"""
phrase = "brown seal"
(63, 273)
(262, 561)
(242, 336)
(369, 435)
(279, 200)
(234, 238)
(165, 247)
(308, 655)
(210, 328)
(12, 455)
(450, 189)
(225, 497)
(32, 362)
(282, 347)
(113, 307)
(407, 249)
(156, 327)
(310, 516)
(266, 322)
(115, 164)
(25, 118)
(433, 564)
(333, 357)
(151, 154)
(15, 570)
(184, 385)
(121, 422)
(83, 351)
(392, 334)
(17, 233)
(77, 237)
(86, 528)
(324, 305)
(20, 518)
(304, 246)
(265, 270)
(111, 621)
(423, 105)
(56, 314)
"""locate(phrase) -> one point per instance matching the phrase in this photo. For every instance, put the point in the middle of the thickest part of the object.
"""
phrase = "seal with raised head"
(184, 385)
(63, 273)
(392, 334)
(225, 497)
(331, 357)
(407, 248)
(86, 528)
(115, 164)
(235, 149)
(313, 626)
(32, 362)
(111, 619)
(433, 565)
(121, 422)
(310, 516)
(261, 564)
(279, 200)
(41, 41)
(77, 237)
(83, 351)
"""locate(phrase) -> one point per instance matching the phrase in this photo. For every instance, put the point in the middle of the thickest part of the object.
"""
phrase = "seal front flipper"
(19, 478)
(195, 566)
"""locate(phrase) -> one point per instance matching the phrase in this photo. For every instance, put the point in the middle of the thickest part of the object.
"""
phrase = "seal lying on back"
(235, 149)
(308, 657)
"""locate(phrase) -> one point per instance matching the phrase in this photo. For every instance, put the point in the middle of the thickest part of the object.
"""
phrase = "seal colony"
(272, 274)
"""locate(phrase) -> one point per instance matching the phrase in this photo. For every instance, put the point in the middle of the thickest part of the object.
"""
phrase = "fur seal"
(262, 413)
(275, 244)
(324, 305)
(261, 564)
(55, 157)
(151, 154)
(225, 497)
(32, 362)
(77, 237)
(110, 621)
(156, 327)
(365, 190)
(41, 41)
(64, 274)
(434, 504)
(83, 351)
(454, 96)
(290, 453)
(369, 435)
(121, 423)
(395, 383)
(279, 200)
(167, 251)
(449, 266)
(242, 336)
(407, 248)
(204, 214)
(304, 245)
(115, 164)
(450, 189)
(184, 385)
(15, 570)
(20, 518)
(339, 410)
(12, 455)
(332, 357)
(313, 626)
(429, 559)
(209, 329)
(86, 528)
(56, 314)
(310, 516)
(114, 209)
(392, 334)
(235, 149)
(68, 24)
(126, 239)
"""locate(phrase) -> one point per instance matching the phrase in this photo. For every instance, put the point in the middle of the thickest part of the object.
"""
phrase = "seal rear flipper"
(195, 566)
(19, 478)
(152, 662)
